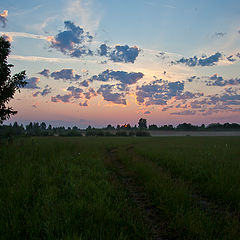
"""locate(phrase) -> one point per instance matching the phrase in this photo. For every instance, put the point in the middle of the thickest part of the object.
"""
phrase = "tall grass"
(210, 164)
(173, 197)
(58, 188)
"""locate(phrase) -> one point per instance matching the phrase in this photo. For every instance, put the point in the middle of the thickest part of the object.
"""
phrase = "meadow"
(120, 188)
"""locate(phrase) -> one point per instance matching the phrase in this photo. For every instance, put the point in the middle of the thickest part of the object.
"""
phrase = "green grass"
(58, 188)
(210, 164)
(62, 188)
(173, 197)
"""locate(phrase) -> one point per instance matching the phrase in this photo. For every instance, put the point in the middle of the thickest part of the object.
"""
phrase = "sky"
(96, 63)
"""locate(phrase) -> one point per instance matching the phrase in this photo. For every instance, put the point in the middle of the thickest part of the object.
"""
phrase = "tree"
(142, 123)
(153, 127)
(43, 126)
(8, 84)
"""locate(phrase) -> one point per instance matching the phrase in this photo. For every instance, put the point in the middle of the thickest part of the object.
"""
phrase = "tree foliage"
(142, 123)
(8, 84)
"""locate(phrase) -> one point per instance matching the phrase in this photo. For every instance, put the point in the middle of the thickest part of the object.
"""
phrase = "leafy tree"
(89, 127)
(142, 123)
(109, 127)
(8, 84)
(153, 127)
(43, 126)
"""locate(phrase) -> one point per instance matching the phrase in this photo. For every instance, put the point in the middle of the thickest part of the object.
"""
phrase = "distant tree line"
(41, 129)
(190, 127)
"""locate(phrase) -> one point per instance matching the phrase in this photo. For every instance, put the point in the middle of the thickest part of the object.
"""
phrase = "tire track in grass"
(209, 207)
(151, 214)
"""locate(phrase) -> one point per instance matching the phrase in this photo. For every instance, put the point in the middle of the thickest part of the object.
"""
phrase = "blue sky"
(99, 62)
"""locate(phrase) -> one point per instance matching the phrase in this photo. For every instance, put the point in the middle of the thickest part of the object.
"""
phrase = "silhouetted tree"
(8, 84)
(89, 127)
(29, 128)
(142, 123)
(43, 126)
(186, 126)
(153, 127)
(110, 127)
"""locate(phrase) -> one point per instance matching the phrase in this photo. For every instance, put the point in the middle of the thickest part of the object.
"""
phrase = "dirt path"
(138, 196)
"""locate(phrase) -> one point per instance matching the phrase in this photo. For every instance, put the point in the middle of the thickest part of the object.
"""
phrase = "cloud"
(32, 83)
(124, 54)
(210, 111)
(167, 107)
(196, 104)
(90, 93)
(188, 95)
(81, 51)
(3, 18)
(231, 59)
(65, 74)
(147, 112)
(45, 73)
(84, 13)
(84, 83)
(204, 61)
(123, 77)
(226, 98)
(158, 92)
(72, 41)
(186, 112)
(220, 34)
(161, 55)
(64, 98)
(190, 79)
(44, 92)
(7, 37)
(75, 92)
(103, 50)
(181, 106)
(25, 35)
(108, 95)
(122, 87)
(218, 102)
(216, 80)
(47, 59)
(84, 104)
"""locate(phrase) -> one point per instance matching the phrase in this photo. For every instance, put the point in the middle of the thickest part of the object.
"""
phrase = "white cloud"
(25, 35)
(82, 13)
(46, 59)
(40, 26)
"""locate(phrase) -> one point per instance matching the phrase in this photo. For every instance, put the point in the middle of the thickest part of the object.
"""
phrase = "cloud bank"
(203, 62)
(72, 41)
(124, 54)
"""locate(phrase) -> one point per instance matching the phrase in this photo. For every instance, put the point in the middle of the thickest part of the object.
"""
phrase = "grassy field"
(76, 188)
